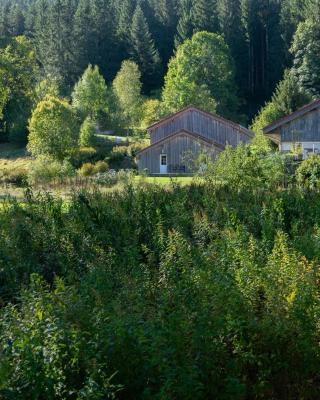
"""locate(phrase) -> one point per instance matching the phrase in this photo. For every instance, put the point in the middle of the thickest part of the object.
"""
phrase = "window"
(163, 159)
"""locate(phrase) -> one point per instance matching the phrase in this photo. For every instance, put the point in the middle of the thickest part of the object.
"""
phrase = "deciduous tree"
(202, 73)
(54, 129)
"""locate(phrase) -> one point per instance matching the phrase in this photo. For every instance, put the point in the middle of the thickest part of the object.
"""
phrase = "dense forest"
(264, 38)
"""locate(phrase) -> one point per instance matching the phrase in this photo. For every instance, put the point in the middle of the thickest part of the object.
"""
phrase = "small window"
(163, 159)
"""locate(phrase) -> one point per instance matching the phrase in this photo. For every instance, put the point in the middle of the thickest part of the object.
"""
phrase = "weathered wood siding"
(197, 122)
(303, 129)
(176, 150)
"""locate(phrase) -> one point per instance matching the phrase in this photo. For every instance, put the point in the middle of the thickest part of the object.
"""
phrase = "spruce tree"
(83, 35)
(184, 27)
(16, 20)
(143, 49)
(306, 50)
(205, 15)
(233, 30)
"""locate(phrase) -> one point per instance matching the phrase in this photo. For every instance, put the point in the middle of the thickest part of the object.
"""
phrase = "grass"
(15, 158)
(165, 181)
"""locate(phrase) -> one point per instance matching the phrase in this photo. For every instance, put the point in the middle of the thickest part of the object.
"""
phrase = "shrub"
(87, 133)
(126, 176)
(134, 148)
(308, 173)
(118, 155)
(83, 155)
(100, 167)
(53, 129)
(46, 170)
(87, 169)
(109, 178)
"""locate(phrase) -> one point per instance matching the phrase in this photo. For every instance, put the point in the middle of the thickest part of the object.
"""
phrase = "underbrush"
(196, 292)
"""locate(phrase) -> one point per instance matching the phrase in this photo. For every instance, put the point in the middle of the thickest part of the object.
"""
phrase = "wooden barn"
(299, 130)
(189, 131)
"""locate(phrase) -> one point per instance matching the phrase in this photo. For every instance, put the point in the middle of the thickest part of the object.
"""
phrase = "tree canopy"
(54, 129)
(90, 94)
(202, 74)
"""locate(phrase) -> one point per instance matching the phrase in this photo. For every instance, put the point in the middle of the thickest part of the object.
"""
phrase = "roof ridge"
(210, 114)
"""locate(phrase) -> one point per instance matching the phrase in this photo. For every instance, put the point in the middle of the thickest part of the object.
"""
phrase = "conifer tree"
(233, 30)
(306, 50)
(185, 26)
(205, 15)
(143, 49)
(83, 34)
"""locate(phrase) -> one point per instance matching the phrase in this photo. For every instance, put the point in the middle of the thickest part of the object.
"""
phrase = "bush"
(134, 148)
(100, 167)
(126, 176)
(46, 170)
(109, 178)
(87, 133)
(87, 169)
(83, 155)
(308, 173)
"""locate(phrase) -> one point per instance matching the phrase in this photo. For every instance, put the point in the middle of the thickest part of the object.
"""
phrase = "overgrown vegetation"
(197, 292)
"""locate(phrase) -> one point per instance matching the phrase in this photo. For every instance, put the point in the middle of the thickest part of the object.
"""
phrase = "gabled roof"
(205, 113)
(194, 136)
(284, 120)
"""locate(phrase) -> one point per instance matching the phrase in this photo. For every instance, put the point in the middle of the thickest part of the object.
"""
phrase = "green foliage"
(46, 88)
(308, 173)
(287, 98)
(246, 168)
(185, 26)
(18, 74)
(87, 133)
(46, 170)
(127, 88)
(16, 176)
(143, 48)
(100, 167)
(151, 112)
(82, 155)
(90, 94)
(201, 73)
(205, 16)
(152, 291)
(87, 169)
(53, 129)
(305, 50)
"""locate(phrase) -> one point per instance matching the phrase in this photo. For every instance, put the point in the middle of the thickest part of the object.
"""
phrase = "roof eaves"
(290, 117)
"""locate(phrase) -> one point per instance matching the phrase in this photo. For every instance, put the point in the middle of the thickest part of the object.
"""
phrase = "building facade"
(184, 135)
(299, 131)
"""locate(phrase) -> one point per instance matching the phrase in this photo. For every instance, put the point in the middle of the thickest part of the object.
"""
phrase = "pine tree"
(185, 26)
(205, 15)
(143, 49)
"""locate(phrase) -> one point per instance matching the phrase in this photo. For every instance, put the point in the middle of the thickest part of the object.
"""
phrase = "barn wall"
(196, 122)
(176, 150)
(303, 129)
